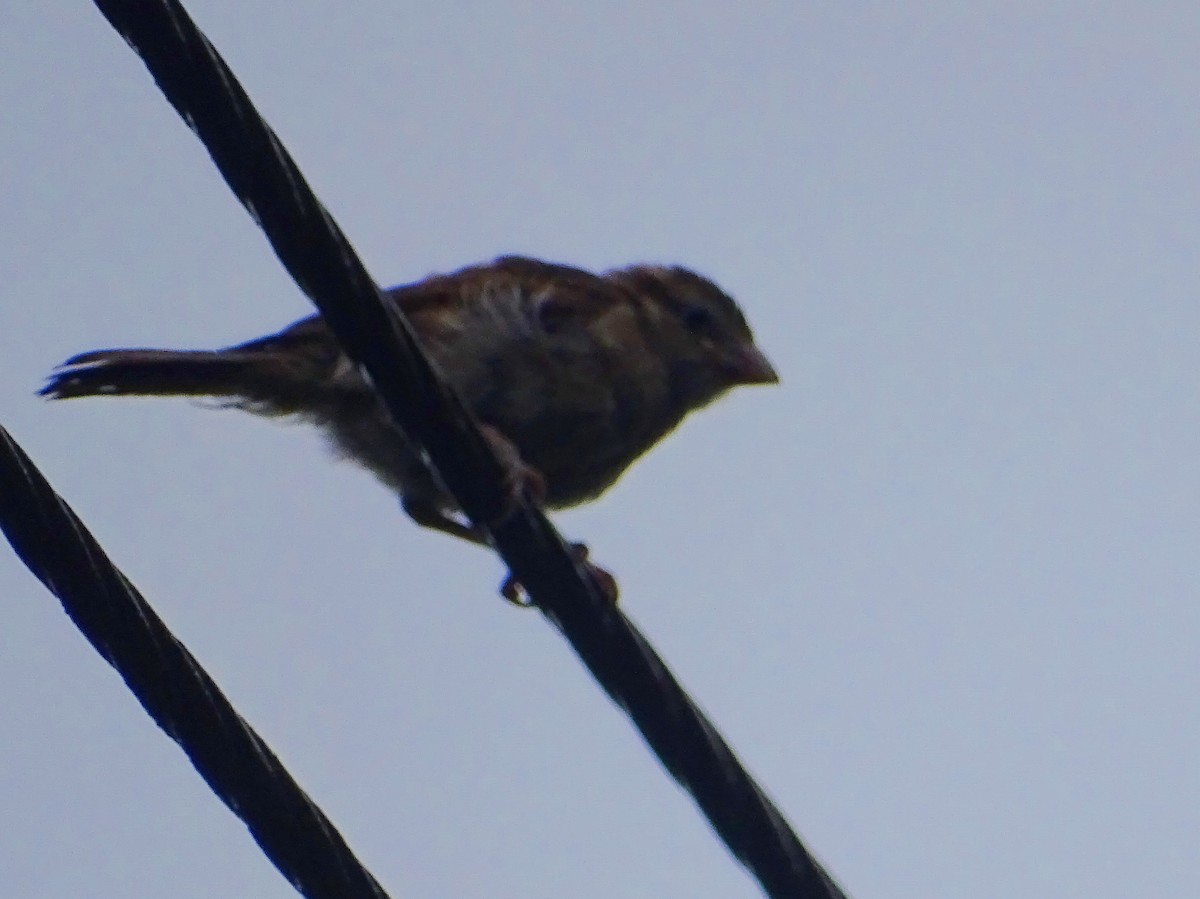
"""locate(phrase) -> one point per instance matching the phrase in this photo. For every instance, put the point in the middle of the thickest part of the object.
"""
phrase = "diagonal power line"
(168, 681)
(308, 242)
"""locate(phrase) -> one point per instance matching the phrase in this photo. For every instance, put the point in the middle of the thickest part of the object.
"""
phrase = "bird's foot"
(604, 582)
(522, 481)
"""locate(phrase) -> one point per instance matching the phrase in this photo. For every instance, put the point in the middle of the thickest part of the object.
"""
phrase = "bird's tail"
(263, 382)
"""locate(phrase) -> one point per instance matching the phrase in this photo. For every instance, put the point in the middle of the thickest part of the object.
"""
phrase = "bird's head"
(699, 332)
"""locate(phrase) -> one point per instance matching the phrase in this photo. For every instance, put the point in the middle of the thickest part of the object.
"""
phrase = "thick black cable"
(168, 681)
(311, 247)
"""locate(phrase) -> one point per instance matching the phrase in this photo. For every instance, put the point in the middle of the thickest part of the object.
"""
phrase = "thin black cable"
(311, 247)
(168, 681)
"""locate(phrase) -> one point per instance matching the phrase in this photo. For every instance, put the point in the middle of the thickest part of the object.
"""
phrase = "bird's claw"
(604, 582)
(522, 482)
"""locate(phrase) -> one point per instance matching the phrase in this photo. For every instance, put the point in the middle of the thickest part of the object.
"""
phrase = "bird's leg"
(526, 481)
(431, 515)
(522, 482)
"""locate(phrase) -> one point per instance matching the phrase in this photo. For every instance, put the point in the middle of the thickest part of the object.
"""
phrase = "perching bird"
(572, 375)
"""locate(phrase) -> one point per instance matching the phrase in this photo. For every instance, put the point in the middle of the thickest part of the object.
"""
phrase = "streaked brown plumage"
(574, 375)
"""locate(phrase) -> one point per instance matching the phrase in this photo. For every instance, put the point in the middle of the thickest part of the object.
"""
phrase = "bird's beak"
(750, 366)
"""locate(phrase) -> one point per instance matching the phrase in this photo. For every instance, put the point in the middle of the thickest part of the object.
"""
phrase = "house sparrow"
(572, 375)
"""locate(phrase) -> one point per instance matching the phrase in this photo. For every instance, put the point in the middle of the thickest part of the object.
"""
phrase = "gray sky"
(938, 589)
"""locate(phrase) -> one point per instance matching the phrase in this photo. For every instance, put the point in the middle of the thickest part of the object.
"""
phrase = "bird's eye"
(697, 318)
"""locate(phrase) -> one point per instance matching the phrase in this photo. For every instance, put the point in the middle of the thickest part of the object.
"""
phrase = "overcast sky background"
(938, 589)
